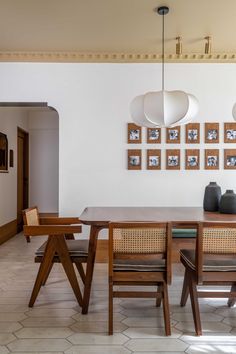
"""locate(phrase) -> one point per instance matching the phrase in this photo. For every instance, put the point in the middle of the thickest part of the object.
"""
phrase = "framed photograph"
(192, 159)
(230, 133)
(134, 134)
(3, 153)
(153, 135)
(230, 159)
(192, 133)
(212, 133)
(173, 159)
(173, 135)
(211, 159)
(134, 159)
(153, 159)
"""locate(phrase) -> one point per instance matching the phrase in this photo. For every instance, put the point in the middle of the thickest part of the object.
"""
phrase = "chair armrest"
(50, 230)
(59, 221)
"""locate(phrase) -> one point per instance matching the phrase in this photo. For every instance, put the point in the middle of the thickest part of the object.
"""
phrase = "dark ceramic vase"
(228, 202)
(212, 197)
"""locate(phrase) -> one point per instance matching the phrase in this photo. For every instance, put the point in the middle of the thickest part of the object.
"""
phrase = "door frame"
(25, 136)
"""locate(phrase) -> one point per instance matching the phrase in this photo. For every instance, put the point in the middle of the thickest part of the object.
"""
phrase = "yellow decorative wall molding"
(80, 57)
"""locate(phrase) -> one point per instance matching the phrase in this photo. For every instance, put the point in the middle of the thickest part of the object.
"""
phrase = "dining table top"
(101, 216)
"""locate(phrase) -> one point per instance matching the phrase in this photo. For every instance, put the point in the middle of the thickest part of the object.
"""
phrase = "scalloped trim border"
(79, 57)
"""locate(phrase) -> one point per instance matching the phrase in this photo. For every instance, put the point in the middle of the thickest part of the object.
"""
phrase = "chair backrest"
(214, 238)
(31, 216)
(129, 239)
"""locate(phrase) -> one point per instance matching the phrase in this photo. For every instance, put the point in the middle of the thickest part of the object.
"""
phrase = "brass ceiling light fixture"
(179, 45)
(208, 45)
(163, 108)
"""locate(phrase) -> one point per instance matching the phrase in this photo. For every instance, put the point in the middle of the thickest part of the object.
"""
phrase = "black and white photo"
(231, 161)
(230, 132)
(153, 160)
(173, 161)
(134, 134)
(173, 135)
(212, 134)
(192, 134)
(134, 160)
(192, 161)
(212, 161)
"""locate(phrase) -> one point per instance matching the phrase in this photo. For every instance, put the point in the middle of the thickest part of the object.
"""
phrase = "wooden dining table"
(98, 218)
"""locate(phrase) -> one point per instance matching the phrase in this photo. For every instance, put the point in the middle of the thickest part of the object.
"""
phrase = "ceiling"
(115, 25)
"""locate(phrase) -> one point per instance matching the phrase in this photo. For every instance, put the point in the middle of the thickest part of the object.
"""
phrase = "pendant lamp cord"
(163, 52)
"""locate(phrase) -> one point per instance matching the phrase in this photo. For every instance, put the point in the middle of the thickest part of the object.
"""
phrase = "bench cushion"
(139, 265)
(75, 247)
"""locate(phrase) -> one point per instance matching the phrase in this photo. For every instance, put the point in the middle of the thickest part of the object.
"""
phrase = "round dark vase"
(212, 197)
(228, 202)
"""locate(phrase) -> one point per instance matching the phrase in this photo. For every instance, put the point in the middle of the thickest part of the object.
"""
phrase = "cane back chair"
(140, 254)
(213, 262)
(60, 247)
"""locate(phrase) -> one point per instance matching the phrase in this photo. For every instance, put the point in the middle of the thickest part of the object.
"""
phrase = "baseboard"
(177, 245)
(7, 231)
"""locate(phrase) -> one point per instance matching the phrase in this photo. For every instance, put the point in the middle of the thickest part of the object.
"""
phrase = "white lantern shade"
(163, 108)
(234, 111)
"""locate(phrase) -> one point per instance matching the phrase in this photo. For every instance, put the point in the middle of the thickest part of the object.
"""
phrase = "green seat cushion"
(185, 233)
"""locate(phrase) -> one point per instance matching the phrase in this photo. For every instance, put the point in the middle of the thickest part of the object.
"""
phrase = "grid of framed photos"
(192, 154)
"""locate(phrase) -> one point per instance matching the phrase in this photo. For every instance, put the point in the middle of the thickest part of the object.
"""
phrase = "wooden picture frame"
(153, 135)
(11, 158)
(230, 159)
(192, 133)
(134, 134)
(153, 159)
(173, 135)
(173, 159)
(3, 153)
(211, 159)
(230, 133)
(212, 133)
(135, 159)
(192, 159)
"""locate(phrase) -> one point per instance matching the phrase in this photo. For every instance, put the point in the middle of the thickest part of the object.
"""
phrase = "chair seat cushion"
(211, 263)
(139, 265)
(75, 247)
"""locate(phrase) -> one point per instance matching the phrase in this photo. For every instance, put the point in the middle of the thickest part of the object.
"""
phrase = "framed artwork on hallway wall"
(192, 159)
(3, 153)
(173, 135)
(173, 159)
(230, 159)
(153, 135)
(230, 133)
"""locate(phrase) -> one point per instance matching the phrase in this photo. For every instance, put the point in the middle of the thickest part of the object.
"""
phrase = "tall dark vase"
(212, 197)
(228, 202)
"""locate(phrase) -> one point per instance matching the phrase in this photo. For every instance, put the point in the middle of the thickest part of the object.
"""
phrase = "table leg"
(90, 266)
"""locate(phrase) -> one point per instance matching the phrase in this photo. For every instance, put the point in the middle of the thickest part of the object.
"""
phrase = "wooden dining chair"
(140, 254)
(212, 262)
(60, 247)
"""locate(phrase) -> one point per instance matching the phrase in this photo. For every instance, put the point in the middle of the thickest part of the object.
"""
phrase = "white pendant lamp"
(163, 108)
(234, 111)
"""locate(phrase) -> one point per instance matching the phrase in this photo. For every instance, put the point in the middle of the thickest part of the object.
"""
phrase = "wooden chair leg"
(28, 239)
(65, 259)
(185, 290)
(110, 319)
(195, 305)
(166, 310)
(90, 267)
(47, 274)
(43, 269)
(232, 300)
(80, 269)
(159, 295)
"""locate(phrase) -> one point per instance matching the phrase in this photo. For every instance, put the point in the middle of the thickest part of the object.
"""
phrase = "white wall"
(93, 105)
(10, 119)
(44, 160)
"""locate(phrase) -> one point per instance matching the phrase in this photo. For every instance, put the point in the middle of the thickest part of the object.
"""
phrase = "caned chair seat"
(216, 263)
(136, 265)
(76, 248)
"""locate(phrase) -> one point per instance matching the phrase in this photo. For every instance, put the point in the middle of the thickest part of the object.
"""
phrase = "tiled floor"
(55, 324)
